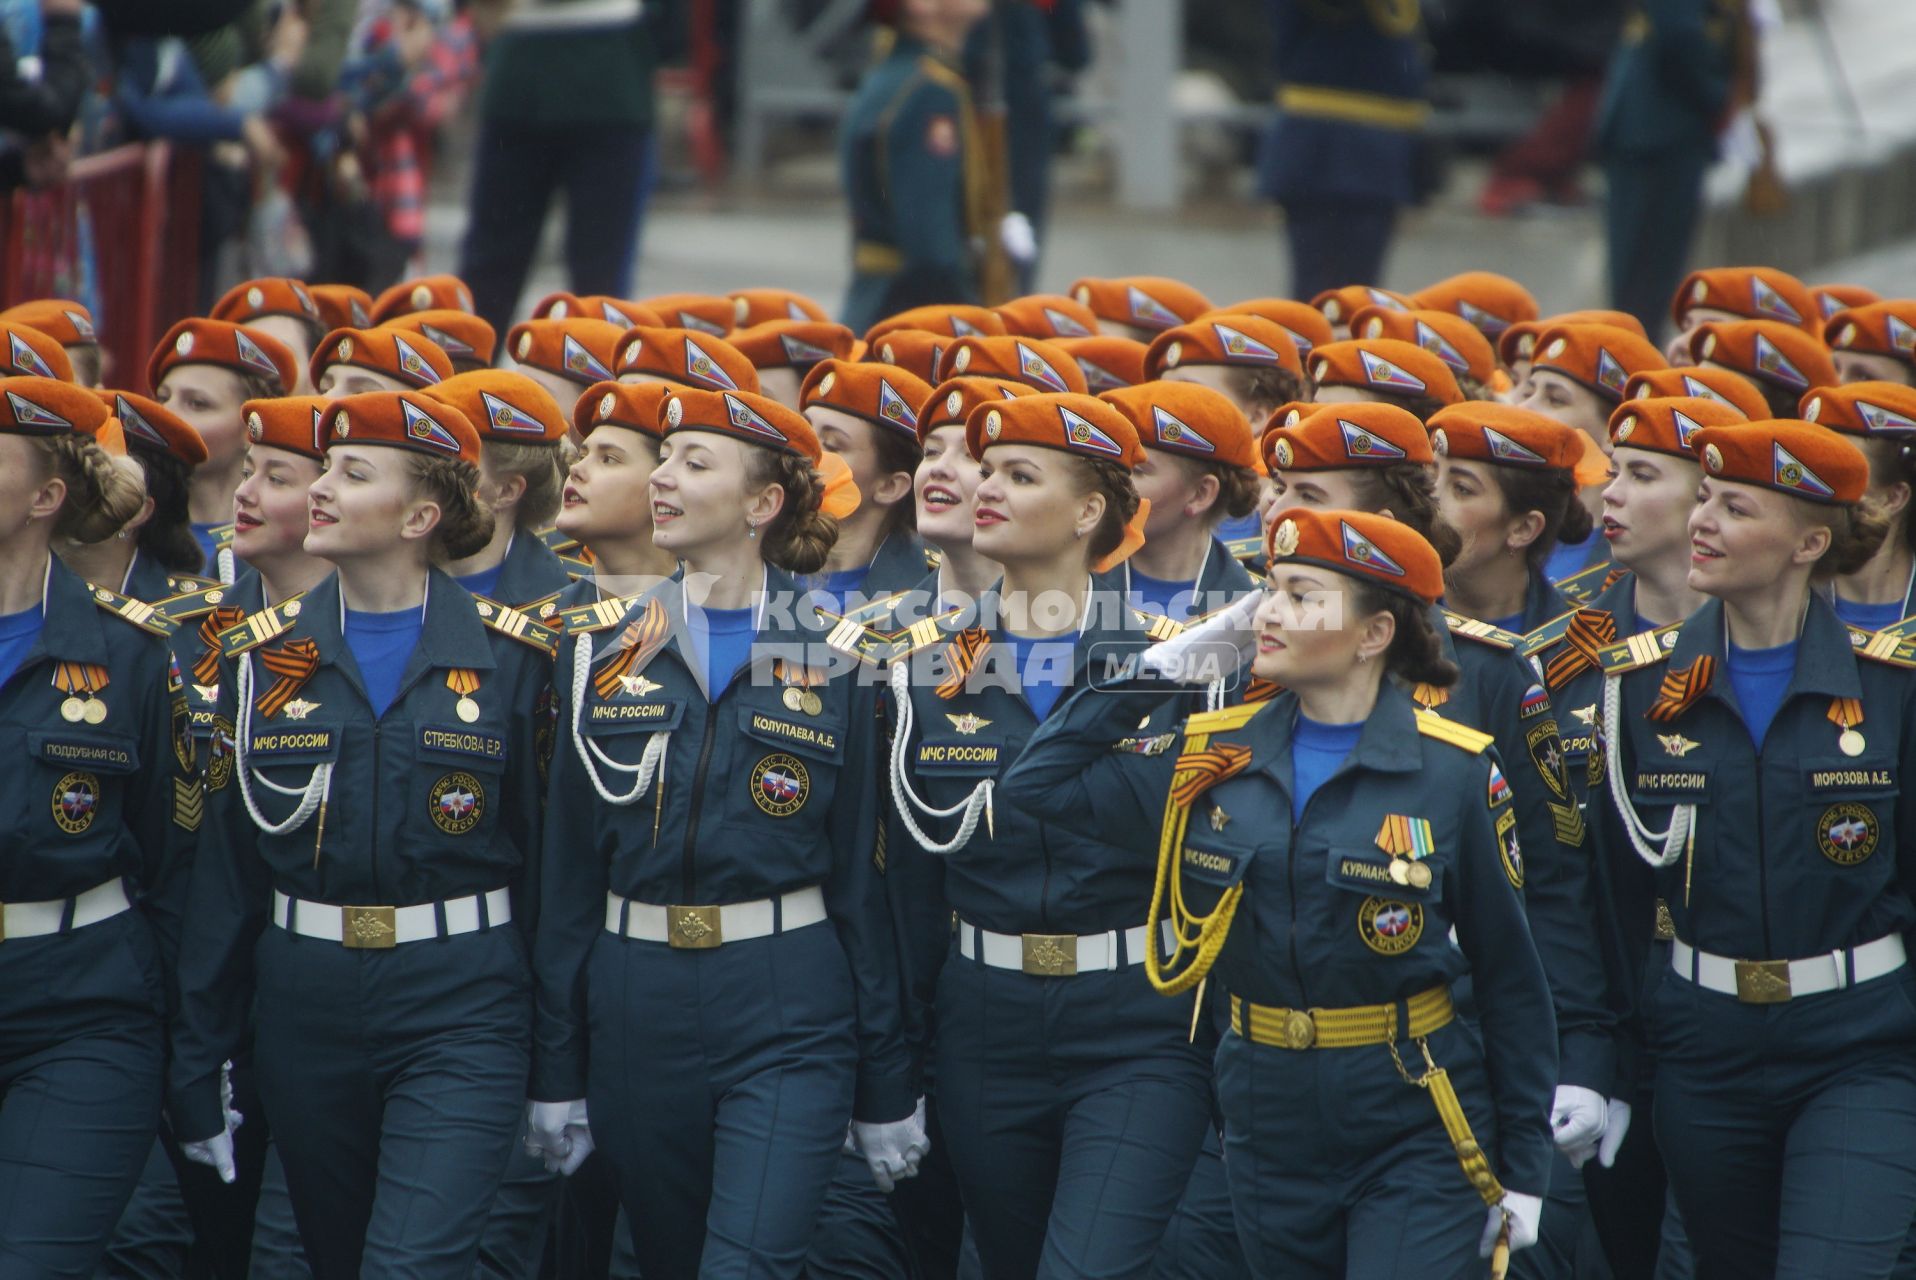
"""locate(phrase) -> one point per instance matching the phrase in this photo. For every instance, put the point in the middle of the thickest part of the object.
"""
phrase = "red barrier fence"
(122, 235)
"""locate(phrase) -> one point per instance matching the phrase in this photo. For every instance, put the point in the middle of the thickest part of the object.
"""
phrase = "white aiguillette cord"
(1676, 837)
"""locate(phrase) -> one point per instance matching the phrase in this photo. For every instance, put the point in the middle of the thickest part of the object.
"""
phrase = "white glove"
(559, 1133)
(1196, 655)
(233, 1118)
(895, 1149)
(216, 1151)
(1616, 1125)
(1019, 239)
(1522, 1212)
(1577, 1117)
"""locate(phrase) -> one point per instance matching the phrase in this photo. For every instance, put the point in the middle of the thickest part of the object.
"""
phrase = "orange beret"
(917, 350)
(68, 323)
(1798, 458)
(460, 334)
(266, 296)
(1106, 360)
(1485, 431)
(705, 312)
(883, 395)
(1029, 360)
(47, 407)
(1863, 408)
(595, 306)
(1880, 328)
(1338, 305)
(1490, 302)
(1048, 315)
(1756, 293)
(229, 346)
(1306, 324)
(1702, 382)
(1598, 356)
(632, 405)
(580, 350)
(1073, 423)
(1766, 351)
(1669, 425)
(427, 293)
(953, 321)
(951, 401)
(504, 406)
(1378, 549)
(1148, 302)
(32, 353)
(1292, 412)
(743, 415)
(151, 425)
(410, 357)
(1223, 339)
(1830, 298)
(1451, 338)
(296, 424)
(1335, 437)
(793, 344)
(697, 359)
(1386, 366)
(1188, 420)
(756, 306)
(404, 420)
(342, 306)
(1519, 341)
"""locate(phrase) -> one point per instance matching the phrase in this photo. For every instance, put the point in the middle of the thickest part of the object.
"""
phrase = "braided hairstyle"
(101, 497)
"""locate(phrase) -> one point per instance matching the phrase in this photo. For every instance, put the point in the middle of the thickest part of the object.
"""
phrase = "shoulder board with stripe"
(923, 634)
(259, 628)
(933, 557)
(1157, 626)
(542, 607)
(1546, 635)
(869, 613)
(508, 621)
(1883, 646)
(181, 583)
(141, 614)
(595, 617)
(556, 542)
(1222, 720)
(576, 568)
(1906, 629)
(1457, 735)
(222, 536)
(193, 604)
(1640, 650)
(851, 637)
(1244, 548)
(1587, 583)
(1481, 631)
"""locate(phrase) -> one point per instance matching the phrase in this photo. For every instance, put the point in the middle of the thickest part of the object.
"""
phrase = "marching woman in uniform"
(945, 487)
(1071, 1098)
(1754, 759)
(606, 504)
(1343, 858)
(374, 833)
(153, 555)
(202, 372)
(717, 971)
(98, 816)
(1880, 419)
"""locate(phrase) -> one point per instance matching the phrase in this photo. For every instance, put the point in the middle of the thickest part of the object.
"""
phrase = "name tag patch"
(814, 737)
(603, 719)
(1220, 867)
(1852, 781)
(461, 742)
(104, 755)
(1687, 783)
(959, 757)
(290, 744)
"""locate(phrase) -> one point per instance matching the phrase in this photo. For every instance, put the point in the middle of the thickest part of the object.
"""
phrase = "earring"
(1080, 534)
(1363, 657)
(751, 530)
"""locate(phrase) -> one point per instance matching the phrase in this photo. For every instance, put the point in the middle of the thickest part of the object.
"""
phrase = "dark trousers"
(1335, 242)
(720, 1090)
(278, 1253)
(1789, 1130)
(395, 1082)
(857, 1236)
(1201, 1242)
(605, 173)
(1339, 1168)
(1650, 219)
(1073, 1109)
(81, 1062)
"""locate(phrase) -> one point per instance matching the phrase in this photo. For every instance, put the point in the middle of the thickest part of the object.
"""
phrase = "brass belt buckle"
(1051, 955)
(1762, 981)
(368, 928)
(1666, 924)
(693, 928)
(1299, 1030)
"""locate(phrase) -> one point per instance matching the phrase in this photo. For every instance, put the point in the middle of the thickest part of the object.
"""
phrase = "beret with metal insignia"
(342, 306)
(1387, 367)
(1599, 357)
(1029, 360)
(953, 320)
(1304, 323)
(1485, 431)
(915, 350)
(1335, 437)
(1703, 382)
(228, 346)
(1048, 315)
(951, 401)
(427, 293)
(402, 420)
(688, 357)
(1755, 293)
(466, 339)
(504, 406)
(1223, 339)
(594, 306)
(1863, 408)
(68, 323)
(266, 296)
(1878, 329)
(1144, 302)
(1339, 305)
(32, 406)
(704, 313)
(1490, 302)
(1452, 339)
(1379, 549)
(756, 306)
(1830, 298)
(1800, 459)
(1072, 423)
(1766, 352)
(1519, 341)
(32, 353)
(794, 344)
(1669, 425)
(296, 424)
(882, 395)
(410, 357)
(581, 350)
(1189, 420)
(743, 415)
(1106, 360)
(149, 425)
(636, 406)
